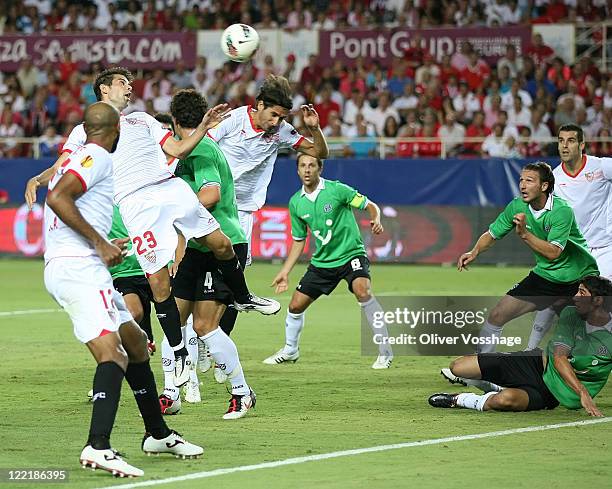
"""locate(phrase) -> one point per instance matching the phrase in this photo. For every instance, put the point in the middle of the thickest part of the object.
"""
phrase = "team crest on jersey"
(547, 228)
(150, 256)
(589, 176)
(271, 138)
(327, 208)
(87, 162)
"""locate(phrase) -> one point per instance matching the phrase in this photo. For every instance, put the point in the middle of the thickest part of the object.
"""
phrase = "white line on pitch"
(357, 451)
(27, 311)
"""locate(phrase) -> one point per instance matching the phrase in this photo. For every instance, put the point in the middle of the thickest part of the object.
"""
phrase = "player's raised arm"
(318, 146)
(42, 179)
(181, 149)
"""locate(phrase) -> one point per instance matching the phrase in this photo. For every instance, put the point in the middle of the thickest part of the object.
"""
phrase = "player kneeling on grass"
(574, 369)
(77, 218)
(325, 206)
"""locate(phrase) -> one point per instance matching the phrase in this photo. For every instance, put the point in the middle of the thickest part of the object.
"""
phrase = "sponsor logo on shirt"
(87, 162)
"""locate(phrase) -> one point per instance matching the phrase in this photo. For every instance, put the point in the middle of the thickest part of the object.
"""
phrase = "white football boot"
(108, 460)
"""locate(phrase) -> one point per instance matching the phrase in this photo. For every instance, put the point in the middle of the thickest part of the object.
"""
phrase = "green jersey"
(206, 165)
(327, 212)
(590, 356)
(129, 267)
(556, 224)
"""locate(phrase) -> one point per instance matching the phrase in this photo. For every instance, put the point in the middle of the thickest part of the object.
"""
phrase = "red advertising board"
(143, 50)
(384, 45)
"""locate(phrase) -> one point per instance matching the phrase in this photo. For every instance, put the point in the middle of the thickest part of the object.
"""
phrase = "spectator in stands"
(382, 112)
(559, 74)
(160, 78)
(28, 76)
(452, 134)
(526, 147)
(565, 113)
(311, 72)
(406, 148)
(161, 102)
(539, 80)
(504, 80)
(476, 129)
(601, 148)
(540, 53)
(49, 143)
(326, 106)
(351, 131)
(362, 144)
(491, 108)
(408, 101)
(511, 60)
(516, 91)
(429, 148)
(10, 129)
(539, 130)
(397, 78)
(519, 115)
(428, 67)
(180, 77)
(465, 103)
(414, 53)
(461, 58)
(572, 89)
(37, 115)
(595, 116)
(355, 105)
(494, 144)
(498, 13)
(476, 71)
(299, 18)
(391, 127)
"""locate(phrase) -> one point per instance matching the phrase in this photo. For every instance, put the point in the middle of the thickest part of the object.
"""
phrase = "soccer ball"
(239, 42)
(168, 406)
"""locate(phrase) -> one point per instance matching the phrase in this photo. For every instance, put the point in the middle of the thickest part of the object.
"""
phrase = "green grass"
(330, 400)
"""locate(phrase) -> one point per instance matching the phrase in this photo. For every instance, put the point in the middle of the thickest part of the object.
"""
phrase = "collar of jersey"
(591, 329)
(313, 195)
(253, 129)
(547, 207)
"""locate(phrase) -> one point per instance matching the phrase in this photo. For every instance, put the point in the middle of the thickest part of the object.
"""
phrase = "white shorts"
(603, 256)
(152, 216)
(246, 223)
(83, 287)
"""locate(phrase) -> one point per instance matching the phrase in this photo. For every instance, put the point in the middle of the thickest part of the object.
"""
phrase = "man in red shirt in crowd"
(476, 129)
(476, 72)
(538, 51)
(326, 106)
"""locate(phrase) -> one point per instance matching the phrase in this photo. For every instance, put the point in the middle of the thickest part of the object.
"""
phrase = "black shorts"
(544, 293)
(198, 277)
(519, 370)
(137, 284)
(317, 281)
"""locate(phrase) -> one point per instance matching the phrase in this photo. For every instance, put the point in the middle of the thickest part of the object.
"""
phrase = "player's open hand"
(280, 283)
(310, 116)
(589, 405)
(464, 260)
(172, 269)
(30, 191)
(110, 253)
(520, 223)
(377, 227)
(214, 116)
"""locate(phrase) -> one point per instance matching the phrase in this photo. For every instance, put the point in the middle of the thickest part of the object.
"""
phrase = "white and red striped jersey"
(93, 166)
(251, 154)
(589, 192)
(137, 159)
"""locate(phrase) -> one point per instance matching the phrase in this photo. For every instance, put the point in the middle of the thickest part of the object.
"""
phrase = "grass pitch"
(328, 401)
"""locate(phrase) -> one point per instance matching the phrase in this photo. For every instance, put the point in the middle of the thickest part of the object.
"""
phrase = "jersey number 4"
(139, 242)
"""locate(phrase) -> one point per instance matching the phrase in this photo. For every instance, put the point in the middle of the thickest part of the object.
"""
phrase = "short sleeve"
(89, 169)
(289, 136)
(503, 224)
(561, 222)
(76, 140)
(158, 132)
(564, 332)
(206, 171)
(345, 193)
(299, 229)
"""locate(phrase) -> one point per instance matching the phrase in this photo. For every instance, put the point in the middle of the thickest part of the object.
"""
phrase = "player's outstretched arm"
(281, 281)
(374, 212)
(42, 179)
(484, 243)
(181, 149)
(62, 202)
(318, 146)
(565, 369)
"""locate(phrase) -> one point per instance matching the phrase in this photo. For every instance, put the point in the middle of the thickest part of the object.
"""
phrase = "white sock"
(371, 307)
(483, 385)
(489, 331)
(541, 324)
(294, 324)
(168, 367)
(191, 340)
(223, 350)
(473, 401)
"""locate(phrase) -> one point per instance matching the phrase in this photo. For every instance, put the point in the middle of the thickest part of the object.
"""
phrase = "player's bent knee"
(203, 327)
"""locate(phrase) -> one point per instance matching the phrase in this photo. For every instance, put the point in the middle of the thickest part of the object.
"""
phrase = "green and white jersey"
(129, 267)
(556, 224)
(329, 215)
(206, 165)
(590, 356)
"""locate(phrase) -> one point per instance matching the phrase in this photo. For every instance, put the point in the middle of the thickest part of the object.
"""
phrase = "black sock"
(106, 394)
(170, 321)
(141, 381)
(145, 322)
(233, 276)
(228, 320)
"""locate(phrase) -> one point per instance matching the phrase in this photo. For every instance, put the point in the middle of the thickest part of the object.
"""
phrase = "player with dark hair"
(585, 183)
(572, 372)
(153, 205)
(326, 207)
(198, 286)
(77, 219)
(547, 225)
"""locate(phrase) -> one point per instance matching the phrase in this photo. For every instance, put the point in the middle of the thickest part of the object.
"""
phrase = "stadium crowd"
(525, 97)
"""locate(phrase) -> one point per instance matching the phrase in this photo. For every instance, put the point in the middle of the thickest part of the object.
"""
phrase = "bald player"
(77, 218)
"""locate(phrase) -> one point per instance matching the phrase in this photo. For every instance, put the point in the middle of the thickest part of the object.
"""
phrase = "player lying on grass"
(546, 224)
(326, 207)
(572, 371)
